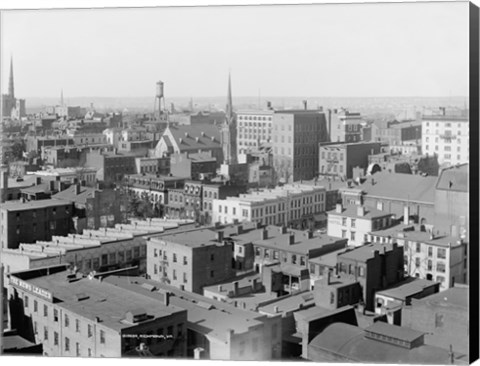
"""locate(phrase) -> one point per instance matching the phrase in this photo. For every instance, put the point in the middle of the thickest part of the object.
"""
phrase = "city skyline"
(398, 61)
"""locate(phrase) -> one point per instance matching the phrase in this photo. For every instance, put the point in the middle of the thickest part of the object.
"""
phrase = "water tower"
(159, 106)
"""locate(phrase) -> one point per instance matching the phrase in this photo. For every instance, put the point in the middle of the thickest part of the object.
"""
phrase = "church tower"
(229, 130)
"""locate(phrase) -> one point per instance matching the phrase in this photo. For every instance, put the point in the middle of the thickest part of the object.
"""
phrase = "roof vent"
(81, 296)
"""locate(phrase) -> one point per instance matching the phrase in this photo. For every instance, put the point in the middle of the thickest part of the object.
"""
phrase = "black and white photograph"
(239, 182)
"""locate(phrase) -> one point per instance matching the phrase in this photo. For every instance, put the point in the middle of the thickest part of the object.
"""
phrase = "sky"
(356, 50)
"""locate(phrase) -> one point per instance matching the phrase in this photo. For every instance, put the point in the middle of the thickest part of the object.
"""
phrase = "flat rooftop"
(193, 238)
(32, 205)
(105, 300)
(206, 316)
(365, 252)
(452, 297)
(369, 212)
(407, 288)
(290, 303)
(329, 259)
(403, 231)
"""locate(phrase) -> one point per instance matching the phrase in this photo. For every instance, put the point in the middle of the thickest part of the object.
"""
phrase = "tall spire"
(229, 99)
(11, 90)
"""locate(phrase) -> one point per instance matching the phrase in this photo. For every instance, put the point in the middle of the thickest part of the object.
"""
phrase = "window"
(302, 261)
(441, 253)
(344, 233)
(67, 321)
(67, 344)
(344, 221)
(89, 330)
(352, 236)
(77, 349)
(174, 258)
(55, 315)
(212, 257)
(361, 271)
(184, 277)
(77, 325)
(430, 251)
(417, 247)
(45, 333)
(55, 338)
(102, 337)
(174, 274)
(429, 265)
(26, 301)
(353, 222)
(35, 306)
(294, 259)
(441, 267)
(212, 274)
(417, 262)
(185, 260)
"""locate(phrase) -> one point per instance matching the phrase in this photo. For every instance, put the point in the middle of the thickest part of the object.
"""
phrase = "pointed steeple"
(229, 108)
(11, 89)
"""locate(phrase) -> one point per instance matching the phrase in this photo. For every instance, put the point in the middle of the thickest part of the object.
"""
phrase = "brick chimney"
(291, 239)
(339, 208)
(77, 188)
(220, 234)
(360, 211)
(406, 215)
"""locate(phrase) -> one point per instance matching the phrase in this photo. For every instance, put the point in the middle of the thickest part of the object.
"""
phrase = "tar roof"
(106, 301)
(405, 187)
(366, 252)
(207, 316)
(408, 288)
(454, 178)
(453, 297)
(329, 259)
(32, 205)
(394, 331)
(349, 341)
(290, 303)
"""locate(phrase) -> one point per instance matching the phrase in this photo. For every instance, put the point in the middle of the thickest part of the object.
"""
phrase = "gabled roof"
(70, 194)
(404, 187)
(196, 136)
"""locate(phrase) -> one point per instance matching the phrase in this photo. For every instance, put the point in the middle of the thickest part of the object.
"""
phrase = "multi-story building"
(289, 204)
(68, 175)
(216, 330)
(68, 156)
(254, 129)
(296, 135)
(152, 165)
(428, 255)
(193, 199)
(356, 222)
(111, 166)
(72, 315)
(375, 266)
(196, 166)
(212, 192)
(338, 160)
(447, 137)
(452, 204)
(344, 126)
(154, 188)
(190, 260)
(26, 222)
(392, 192)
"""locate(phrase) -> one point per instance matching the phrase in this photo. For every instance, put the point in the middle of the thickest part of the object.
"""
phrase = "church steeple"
(229, 109)
(11, 89)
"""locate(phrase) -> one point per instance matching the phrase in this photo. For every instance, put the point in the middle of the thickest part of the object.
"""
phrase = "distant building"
(290, 204)
(340, 159)
(356, 222)
(344, 126)
(212, 192)
(190, 260)
(191, 139)
(152, 165)
(111, 166)
(447, 137)
(296, 135)
(254, 129)
(196, 166)
(92, 318)
(35, 220)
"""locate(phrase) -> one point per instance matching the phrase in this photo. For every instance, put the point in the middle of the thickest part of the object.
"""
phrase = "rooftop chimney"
(220, 288)
(264, 234)
(220, 236)
(339, 208)
(38, 181)
(406, 215)
(291, 239)
(239, 229)
(166, 298)
(360, 211)
(304, 104)
(235, 288)
(283, 229)
(308, 234)
(77, 188)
